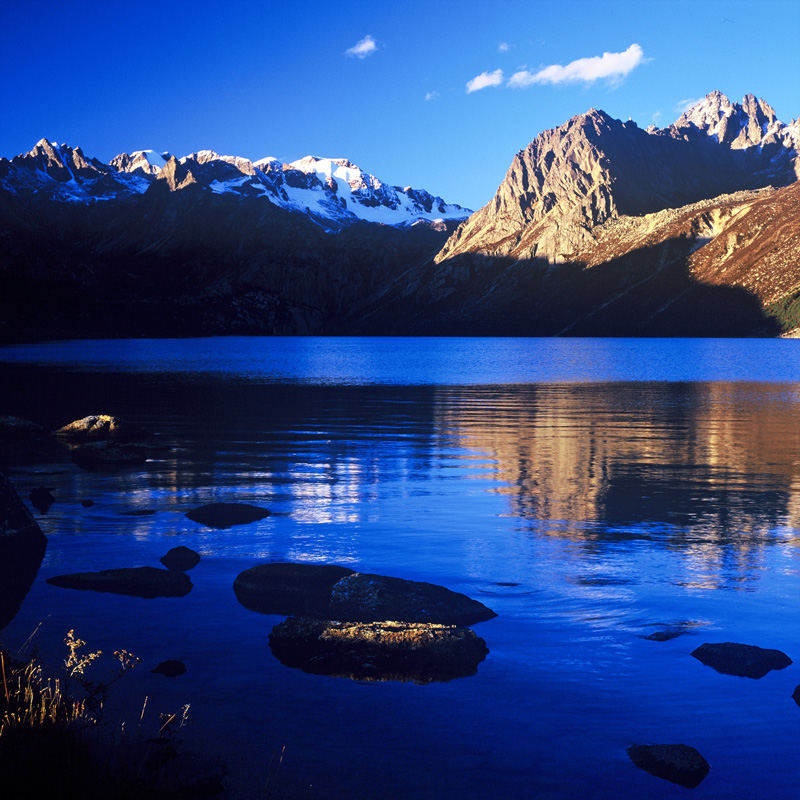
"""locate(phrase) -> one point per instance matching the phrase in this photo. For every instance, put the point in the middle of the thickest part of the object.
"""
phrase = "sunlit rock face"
(593, 168)
(378, 651)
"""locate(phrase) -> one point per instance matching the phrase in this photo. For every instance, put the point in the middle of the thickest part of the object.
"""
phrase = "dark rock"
(289, 589)
(678, 763)
(42, 498)
(170, 668)
(744, 660)
(362, 597)
(15, 428)
(22, 547)
(109, 455)
(101, 427)
(145, 582)
(143, 512)
(665, 635)
(87, 503)
(181, 559)
(224, 515)
(796, 695)
(378, 651)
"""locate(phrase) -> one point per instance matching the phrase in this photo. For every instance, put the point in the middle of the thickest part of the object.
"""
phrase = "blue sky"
(276, 79)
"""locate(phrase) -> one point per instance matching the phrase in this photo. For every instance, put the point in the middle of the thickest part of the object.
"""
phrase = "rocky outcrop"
(744, 660)
(225, 515)
(326, 591)
(678, 763)
(378, 651)
(22, 548)
(364, 597)
(101, 427)
(594, 168)
(289, 589)
(147, 582)
(180, 559)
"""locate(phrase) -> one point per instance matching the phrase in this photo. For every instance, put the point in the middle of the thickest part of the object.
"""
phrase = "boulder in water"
(181, 559)
(678, 763)
(101, 427)
(744, 660)
(225, 515)
(289, 589)
(378, 651)
(147, 582)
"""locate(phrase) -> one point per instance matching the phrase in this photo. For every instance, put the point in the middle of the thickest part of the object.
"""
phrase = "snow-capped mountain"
(333, 192)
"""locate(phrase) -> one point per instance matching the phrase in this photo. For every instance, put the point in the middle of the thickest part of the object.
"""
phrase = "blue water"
(589, 491)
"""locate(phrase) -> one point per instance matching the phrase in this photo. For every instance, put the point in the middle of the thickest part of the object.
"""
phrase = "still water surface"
(590, 492)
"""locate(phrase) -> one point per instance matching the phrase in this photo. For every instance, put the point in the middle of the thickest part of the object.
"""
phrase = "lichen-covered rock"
(181, 559)
(289, 589)
(744, 660)
(378, 651)
(147, 582)
(109, 455)
(101, 427)
(16, 428)
(363, 597)
(225, 515)
(678, 763)
(22, 547)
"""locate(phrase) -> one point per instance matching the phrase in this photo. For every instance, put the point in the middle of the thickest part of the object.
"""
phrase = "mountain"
(602, 228)
(599, 228)
(334, 193)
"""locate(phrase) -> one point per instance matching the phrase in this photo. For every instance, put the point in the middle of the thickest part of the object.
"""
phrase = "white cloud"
(614, 66)
(431, 95)
(485, 79)
(503, 47)
(656, 117)
(366, 47)
(684, 105)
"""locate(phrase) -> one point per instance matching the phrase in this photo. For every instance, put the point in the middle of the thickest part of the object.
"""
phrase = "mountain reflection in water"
(587, 515)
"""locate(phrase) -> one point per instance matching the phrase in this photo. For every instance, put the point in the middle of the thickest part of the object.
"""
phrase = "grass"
(47, 742)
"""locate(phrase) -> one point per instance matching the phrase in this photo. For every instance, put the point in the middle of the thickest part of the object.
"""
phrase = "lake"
(590, 491)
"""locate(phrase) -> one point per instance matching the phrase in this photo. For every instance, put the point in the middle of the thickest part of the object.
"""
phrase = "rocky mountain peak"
(593, 168)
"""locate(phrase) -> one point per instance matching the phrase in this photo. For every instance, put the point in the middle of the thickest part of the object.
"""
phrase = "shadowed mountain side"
(189, 262)
(647, 292)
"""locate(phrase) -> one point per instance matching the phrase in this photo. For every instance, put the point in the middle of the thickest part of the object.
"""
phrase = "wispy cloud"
(366, 47)
(503, 47)
(684, 105)
(431, 95)
(612, 66)
(485, 79)
(656, 117)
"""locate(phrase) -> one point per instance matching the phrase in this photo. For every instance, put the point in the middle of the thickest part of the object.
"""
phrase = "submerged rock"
(744, 660)
(678, 763)
(15, 428)
(378, 651)
(224, 515)
(289, 589)
(170, 668)
(181, 559)
(147, 582)
(22, 547)
(796, 695)
(109, 455)
(363, 597)
(101, 427)
(665, 635)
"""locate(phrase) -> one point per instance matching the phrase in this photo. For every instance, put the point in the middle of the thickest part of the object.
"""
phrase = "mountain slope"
(602, 228)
